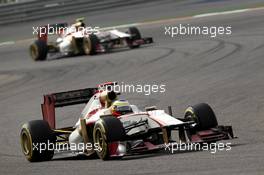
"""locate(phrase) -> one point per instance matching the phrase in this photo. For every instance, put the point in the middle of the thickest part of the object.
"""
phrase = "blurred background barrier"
(25, 10)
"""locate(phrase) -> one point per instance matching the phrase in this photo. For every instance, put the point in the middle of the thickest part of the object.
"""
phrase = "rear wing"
(61, 99)
(44, 31)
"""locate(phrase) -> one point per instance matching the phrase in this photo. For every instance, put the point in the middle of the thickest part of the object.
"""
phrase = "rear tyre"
(36, 138)
(90, 44)
(135, 35)
(38, 50)
(106, 130)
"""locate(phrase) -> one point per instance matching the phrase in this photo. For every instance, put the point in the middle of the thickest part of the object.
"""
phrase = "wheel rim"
(34, 52)
(190, 116)
(26, 143)
(100, 139)
(87, 46)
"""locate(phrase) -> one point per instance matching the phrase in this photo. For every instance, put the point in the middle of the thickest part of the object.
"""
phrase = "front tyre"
(36, 138)
(106, 130)
(203, 115)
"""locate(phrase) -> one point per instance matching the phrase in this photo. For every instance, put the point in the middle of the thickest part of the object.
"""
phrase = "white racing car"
(78, 40)
(113, 128)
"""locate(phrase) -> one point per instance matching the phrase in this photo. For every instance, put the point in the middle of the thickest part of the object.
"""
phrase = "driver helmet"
(79, 22)
(120, 107)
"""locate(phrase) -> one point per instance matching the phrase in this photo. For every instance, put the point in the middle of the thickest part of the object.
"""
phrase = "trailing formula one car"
(80, 40)
(113, 128)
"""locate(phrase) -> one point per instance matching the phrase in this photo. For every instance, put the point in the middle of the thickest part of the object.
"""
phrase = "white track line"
(120, 26)
(51, 5)
(7, 43)
(221, 13)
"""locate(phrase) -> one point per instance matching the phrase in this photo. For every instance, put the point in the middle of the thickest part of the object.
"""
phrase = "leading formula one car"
(113, 128)
(80, 40)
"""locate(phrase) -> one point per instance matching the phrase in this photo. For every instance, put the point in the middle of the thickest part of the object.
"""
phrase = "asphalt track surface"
(226, 72)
